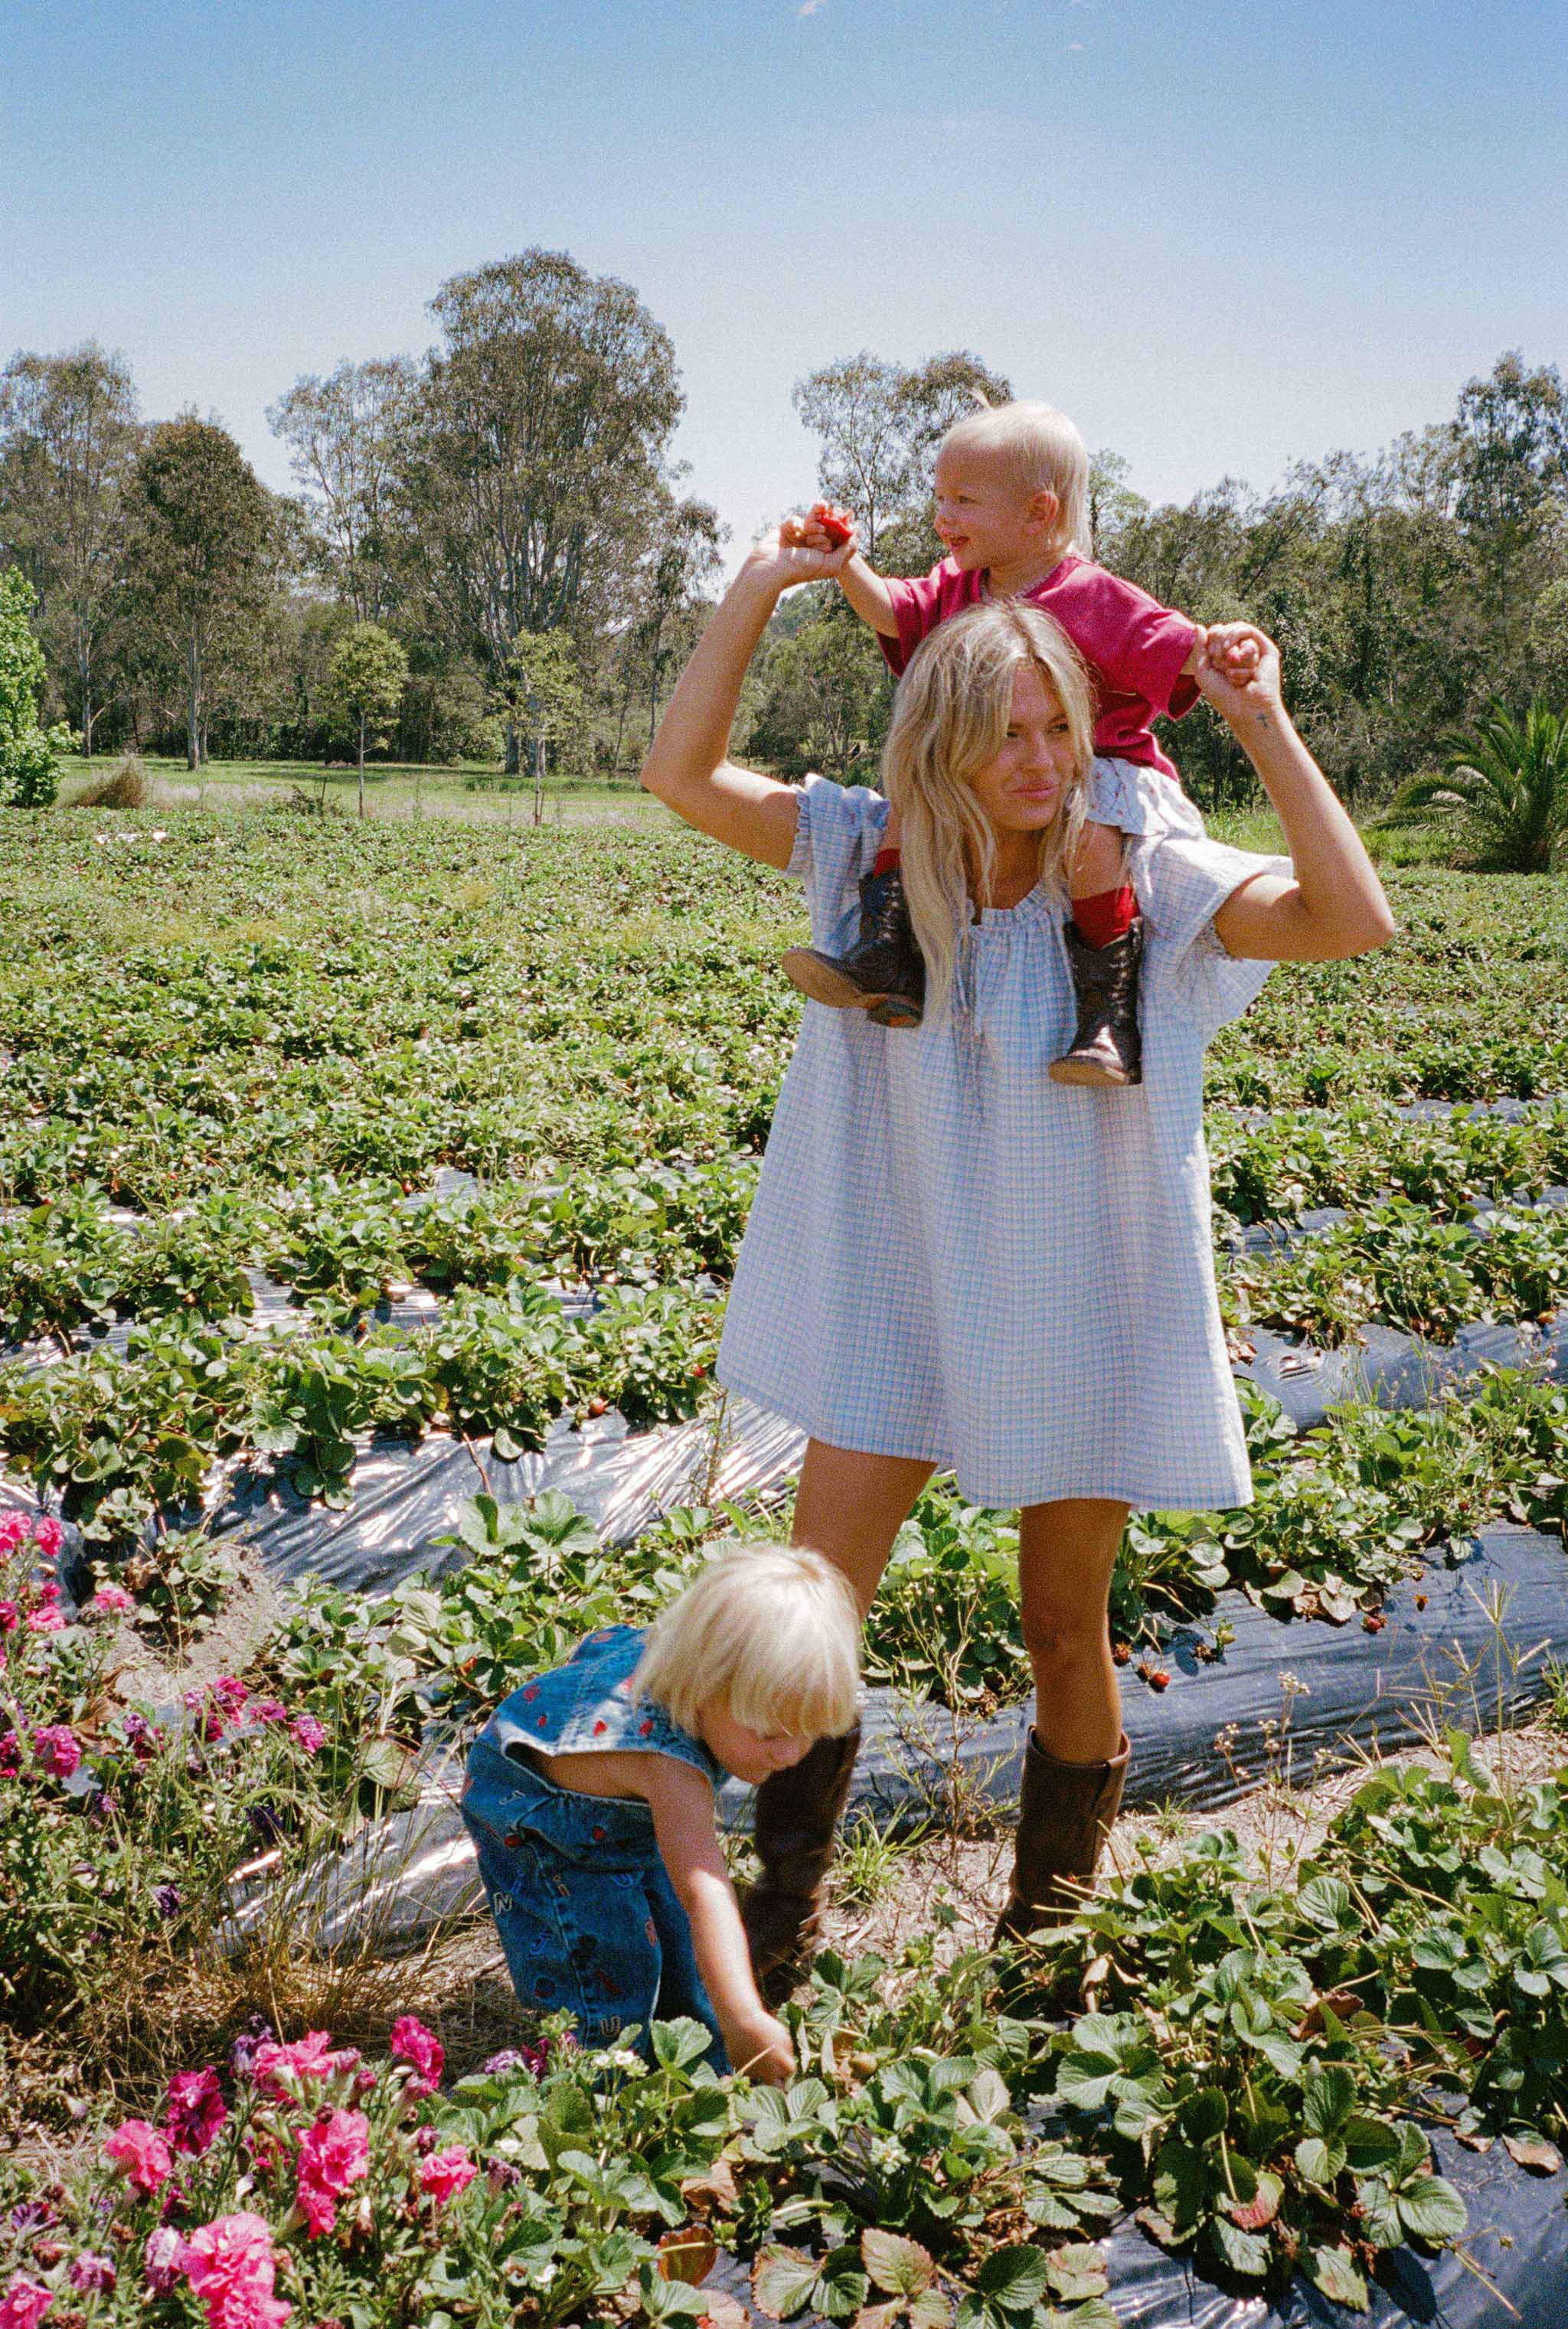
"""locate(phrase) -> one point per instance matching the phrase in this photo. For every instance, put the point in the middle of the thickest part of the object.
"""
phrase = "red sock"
(887, 860)
(1110, 915)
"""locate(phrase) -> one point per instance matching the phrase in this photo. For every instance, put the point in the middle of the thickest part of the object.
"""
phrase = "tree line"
(491, 555)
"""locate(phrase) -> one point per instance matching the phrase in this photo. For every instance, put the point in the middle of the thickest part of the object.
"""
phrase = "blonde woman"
(953, 1262)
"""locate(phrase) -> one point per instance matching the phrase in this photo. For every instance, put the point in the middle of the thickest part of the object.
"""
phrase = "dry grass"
(126, 785)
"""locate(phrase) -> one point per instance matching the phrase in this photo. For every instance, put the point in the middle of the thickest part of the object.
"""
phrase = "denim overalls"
(588, 1917)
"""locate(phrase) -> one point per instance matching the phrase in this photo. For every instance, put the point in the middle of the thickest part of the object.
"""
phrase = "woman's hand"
(799, 552)
(1238, 671)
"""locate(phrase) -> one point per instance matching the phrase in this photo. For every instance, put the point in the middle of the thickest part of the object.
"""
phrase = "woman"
(953, 1262)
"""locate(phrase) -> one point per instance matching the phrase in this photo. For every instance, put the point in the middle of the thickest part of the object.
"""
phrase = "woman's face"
(1022, 790)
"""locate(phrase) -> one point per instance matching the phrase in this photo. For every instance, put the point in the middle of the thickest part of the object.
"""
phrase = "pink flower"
(141, 2151)
(412, 2043)
(89, 2271)
(310, 2057)
(7, 1616)
(111, 1601)
(49, 1594)
(58, 1749)
(333, 2153)
(45, 1621)
(231, 1695)
(232, 2267)
(13, 1530)
(48, 1536)
(311, 1734)
(269, 1710)
(445, 2174)
(163, 2260)
(194, 2110)
(24, 2304)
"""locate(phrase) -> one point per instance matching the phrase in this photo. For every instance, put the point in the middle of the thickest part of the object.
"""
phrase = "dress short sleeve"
(838, 830)
(1181, 884)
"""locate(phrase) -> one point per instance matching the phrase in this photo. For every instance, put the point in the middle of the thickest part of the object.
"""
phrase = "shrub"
(126, 785)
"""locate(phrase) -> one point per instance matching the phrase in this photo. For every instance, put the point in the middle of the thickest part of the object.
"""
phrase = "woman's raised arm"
(1333, 905)
(687, 766)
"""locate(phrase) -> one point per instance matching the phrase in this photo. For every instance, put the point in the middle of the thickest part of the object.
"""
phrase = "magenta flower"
(9, 1755)
(311, 1734)
(163, 2260)
(231, 2266)
(97, 2273)
(142, 2152)
(45, 1621)
(310, 2057)
(48, 1536)
(24, 2304)
(269, 1710)
(49, 1594)
(111, 1601)
(445, 2174)
(58, 1749)
(231, 1695)
(333, 2154)
(194, 2110)
(412, 2043)
(13, 1531)
(7, 1616)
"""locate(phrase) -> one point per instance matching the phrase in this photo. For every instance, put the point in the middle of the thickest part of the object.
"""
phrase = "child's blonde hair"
(1040, 450)
(949, 718)
(773, 1630)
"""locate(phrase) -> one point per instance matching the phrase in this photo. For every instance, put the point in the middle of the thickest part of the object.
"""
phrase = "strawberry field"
(317, 1141)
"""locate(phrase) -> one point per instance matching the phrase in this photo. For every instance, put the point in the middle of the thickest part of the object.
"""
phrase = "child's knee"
(1098, 863)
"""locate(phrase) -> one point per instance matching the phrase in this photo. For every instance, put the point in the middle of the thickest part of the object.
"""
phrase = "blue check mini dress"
(588, 1921)
(949, 1257)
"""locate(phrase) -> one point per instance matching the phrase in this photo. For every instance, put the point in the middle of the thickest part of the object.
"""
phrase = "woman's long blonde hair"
(949, 718)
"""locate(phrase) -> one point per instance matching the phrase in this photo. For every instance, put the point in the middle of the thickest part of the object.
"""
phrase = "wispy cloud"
(810, 7)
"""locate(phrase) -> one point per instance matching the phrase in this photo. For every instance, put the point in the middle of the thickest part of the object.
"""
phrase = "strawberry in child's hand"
(837, 523)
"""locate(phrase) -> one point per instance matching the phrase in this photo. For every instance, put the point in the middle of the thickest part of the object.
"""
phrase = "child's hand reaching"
(763, 2049)
(1239, 671)
(800, 551)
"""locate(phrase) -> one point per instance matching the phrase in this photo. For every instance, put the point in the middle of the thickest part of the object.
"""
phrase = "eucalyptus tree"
(347, 439)
(537, 463)
(69, 434)
(202, 553)
(878, 425)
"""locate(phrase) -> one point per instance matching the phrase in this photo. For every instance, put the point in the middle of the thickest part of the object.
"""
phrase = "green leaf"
(1204, 2114)
(680, 2042)
(1077, 2273)
(898, 2265)
(1014, 2278)
(1330, 2096)
(1318, 2160)
(1332, 2271)
(1244, 2252)
(1431, 2208)
(782, 2282)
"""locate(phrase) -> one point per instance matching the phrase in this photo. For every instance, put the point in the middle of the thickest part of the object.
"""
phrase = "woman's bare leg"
(850, 1506)
(1066, 1553)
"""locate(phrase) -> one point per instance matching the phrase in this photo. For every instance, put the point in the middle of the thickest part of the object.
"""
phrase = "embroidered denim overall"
(588, 1917)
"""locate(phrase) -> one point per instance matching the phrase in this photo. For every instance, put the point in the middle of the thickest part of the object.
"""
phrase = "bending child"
(590, 1798)
(1012, 495)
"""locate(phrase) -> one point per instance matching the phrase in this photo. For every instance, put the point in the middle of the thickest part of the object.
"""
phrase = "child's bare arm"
(860, 584)
(869, 595)
(682, 1803)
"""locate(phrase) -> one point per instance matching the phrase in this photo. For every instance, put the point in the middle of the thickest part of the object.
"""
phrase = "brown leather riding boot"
(1106, 1050)
(1065, 1811)
(797, 1814)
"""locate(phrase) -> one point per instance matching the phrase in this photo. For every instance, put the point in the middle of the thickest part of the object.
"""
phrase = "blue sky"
(1221, 239)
